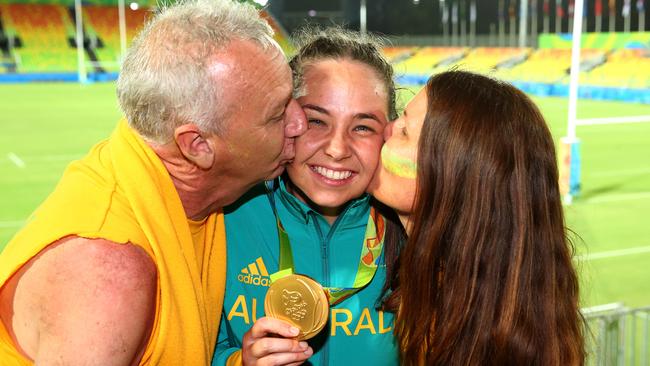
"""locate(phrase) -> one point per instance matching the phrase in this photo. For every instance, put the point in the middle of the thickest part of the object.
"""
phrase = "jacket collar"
(355, 209)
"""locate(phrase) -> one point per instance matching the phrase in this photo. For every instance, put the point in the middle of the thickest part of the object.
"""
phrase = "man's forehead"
(245, 69)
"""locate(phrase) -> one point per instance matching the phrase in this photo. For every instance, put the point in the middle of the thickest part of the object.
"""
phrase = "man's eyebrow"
(316, 108)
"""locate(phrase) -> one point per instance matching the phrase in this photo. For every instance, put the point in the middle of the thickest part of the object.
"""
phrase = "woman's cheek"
(398, 164)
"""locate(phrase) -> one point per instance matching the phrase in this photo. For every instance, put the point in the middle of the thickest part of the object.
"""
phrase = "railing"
(617, 335)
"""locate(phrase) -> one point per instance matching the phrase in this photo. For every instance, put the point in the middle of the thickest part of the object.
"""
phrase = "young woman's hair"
(315, 44)
(486, 276)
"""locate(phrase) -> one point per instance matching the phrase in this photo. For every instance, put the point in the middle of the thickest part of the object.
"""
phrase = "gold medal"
(300, 301)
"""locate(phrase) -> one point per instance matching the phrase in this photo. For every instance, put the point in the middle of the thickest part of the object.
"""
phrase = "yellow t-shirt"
(122, 192)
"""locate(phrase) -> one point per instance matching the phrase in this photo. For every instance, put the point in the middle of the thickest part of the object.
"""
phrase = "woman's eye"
(315, 122)
(364, 129)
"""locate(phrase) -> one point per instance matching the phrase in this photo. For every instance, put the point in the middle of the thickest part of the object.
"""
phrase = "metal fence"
(617, 335)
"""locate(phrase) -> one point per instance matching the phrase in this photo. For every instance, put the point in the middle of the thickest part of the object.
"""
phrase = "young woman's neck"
(330, 214)
(330, 218)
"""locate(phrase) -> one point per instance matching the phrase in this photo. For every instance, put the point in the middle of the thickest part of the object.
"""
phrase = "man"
(124, 263)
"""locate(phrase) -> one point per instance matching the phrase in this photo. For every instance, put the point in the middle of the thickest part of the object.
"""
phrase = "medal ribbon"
(373, 243)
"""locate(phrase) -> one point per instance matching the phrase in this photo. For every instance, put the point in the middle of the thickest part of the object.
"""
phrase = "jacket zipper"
(325, 267)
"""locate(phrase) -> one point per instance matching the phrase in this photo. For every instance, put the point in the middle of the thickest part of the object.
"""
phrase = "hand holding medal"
(300, 301)
(303, 302)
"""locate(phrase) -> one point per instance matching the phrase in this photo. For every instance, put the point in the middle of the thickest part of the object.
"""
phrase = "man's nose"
(295, 120)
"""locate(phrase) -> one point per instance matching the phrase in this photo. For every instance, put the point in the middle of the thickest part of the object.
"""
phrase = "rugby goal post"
(82, 71)
(570, 163)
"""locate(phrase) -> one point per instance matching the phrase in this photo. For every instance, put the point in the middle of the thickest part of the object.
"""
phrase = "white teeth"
(332, 174)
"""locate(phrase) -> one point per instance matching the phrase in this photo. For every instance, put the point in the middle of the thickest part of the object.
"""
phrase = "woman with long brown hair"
(485, 277)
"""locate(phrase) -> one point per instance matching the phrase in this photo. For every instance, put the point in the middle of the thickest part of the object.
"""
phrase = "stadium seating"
(624, 68)
(550, 66)
(396, 54)
(483, 59)
(44, 31)
(424, 61)
(103, 21)
(47, 32)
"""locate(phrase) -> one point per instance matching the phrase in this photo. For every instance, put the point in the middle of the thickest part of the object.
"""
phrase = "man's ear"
(195, 146)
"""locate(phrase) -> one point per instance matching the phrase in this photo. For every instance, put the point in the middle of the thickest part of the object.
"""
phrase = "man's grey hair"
(164, 81)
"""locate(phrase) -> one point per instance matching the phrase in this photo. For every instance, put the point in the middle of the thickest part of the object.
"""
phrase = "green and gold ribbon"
(373, 243)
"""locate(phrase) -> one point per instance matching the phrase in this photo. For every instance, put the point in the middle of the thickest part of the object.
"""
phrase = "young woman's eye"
(363, 128)
(315, 122)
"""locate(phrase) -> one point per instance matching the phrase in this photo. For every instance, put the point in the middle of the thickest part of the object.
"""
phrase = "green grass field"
(45, 126)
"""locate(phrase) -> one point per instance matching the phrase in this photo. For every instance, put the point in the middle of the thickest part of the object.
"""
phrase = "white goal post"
(570, 144)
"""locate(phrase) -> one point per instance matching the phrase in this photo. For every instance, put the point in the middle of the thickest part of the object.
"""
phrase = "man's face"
(261, 118)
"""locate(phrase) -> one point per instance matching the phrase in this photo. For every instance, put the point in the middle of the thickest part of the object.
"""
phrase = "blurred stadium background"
(57, 100)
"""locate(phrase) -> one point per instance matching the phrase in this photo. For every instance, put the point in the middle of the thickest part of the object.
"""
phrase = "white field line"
(16, 160)
(615, 198)
(42, 158)
(53, 158)
(613, 253)
(612, 120)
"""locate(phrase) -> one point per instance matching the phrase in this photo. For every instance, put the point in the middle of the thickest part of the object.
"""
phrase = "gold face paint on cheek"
(398, 165)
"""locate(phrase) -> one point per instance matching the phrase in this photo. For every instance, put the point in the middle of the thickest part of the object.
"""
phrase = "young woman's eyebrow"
(316, 108)
(367, 116)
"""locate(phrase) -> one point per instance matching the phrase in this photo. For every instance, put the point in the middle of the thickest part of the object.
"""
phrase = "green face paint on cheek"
(398, 165)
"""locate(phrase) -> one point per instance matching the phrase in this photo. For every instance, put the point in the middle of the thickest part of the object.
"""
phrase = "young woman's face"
(394, 181)
(346, 105)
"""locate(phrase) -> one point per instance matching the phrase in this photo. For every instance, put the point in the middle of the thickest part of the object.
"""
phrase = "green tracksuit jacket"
(356, 333)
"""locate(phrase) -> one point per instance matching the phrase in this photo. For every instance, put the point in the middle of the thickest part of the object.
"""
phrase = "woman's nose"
(338, 146)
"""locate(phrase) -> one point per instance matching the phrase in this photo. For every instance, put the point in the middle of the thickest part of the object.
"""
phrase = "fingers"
(297, 353)
(271, 342)
(286, 359)
(296, 363)
(266, 346)
(266, 326)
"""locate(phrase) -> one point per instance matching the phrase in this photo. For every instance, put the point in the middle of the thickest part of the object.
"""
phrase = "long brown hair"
(486, 276)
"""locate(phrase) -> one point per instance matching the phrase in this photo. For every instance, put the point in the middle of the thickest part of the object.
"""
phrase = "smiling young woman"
(346, 109)
(335, 234)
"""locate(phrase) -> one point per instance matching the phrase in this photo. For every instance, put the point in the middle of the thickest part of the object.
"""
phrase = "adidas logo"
(255, 274)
